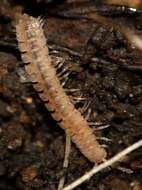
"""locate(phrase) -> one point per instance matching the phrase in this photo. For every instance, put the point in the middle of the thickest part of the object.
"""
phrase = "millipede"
(39, 66)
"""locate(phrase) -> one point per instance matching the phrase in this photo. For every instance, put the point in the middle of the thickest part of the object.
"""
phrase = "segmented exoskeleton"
(38, 64)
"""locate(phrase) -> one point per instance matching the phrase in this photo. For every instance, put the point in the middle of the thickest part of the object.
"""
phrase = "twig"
(66, 160)
(104, 165)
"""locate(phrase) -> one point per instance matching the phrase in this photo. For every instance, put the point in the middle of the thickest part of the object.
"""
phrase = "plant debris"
(104, 83)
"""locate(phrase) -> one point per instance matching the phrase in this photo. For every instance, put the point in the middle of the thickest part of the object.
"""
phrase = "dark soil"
(98, 61)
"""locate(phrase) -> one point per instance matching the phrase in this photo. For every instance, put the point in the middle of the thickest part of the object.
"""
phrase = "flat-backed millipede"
(39, 66)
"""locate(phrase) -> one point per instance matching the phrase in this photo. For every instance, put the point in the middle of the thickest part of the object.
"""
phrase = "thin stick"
(66, 160)
(104, 165)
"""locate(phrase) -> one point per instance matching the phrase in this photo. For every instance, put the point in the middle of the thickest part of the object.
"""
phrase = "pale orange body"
(34, 52)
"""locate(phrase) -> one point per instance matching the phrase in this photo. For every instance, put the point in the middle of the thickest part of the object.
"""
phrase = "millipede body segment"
(38, 64)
